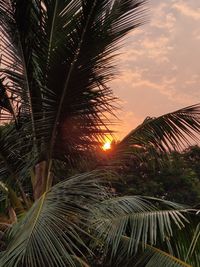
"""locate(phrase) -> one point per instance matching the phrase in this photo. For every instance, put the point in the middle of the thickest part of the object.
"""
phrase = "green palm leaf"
(159, 257)
(52, 232)
(195, 241)
(143, 220)
(150, 256)
(182, 250)
(185, 243)
(139, 232)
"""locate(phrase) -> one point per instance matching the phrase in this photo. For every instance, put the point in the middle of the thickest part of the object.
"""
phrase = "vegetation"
(56, 60)
(177, 179)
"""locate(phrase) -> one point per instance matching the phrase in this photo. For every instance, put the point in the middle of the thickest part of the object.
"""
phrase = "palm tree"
(56, 59)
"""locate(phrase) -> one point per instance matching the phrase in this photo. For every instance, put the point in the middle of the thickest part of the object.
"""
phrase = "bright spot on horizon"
(107, 145)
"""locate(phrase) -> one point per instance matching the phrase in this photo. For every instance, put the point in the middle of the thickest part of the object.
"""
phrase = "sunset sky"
(160, 64)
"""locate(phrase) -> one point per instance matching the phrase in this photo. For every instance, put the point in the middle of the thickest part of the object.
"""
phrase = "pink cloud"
(187, 10)
(162, 18)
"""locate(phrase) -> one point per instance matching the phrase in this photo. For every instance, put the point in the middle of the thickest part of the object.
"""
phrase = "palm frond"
(52, 231)
(13, 66)
(159, 257)
(66, 51)
(155, 136)
(150, 256)
(92, 35)
(185, 244)
(16, 159)
(182, 249)
(195, 241)
(138, 218)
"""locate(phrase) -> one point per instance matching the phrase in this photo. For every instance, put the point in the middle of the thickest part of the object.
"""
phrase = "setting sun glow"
(107, 145)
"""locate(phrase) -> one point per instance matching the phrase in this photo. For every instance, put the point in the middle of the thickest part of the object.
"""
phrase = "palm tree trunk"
(39, 180)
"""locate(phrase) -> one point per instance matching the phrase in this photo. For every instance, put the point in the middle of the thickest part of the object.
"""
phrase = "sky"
(159, 64)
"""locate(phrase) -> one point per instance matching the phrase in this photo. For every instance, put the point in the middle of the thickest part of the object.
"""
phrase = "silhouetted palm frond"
(156, 136)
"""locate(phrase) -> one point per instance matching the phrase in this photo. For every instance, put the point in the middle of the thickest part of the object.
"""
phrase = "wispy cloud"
(157, 48)
(162, 18)
(187, 10)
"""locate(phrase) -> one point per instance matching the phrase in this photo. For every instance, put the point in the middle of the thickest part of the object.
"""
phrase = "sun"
(107, 146)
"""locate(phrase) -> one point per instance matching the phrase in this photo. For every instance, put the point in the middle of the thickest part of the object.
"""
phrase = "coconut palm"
(56, 60)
